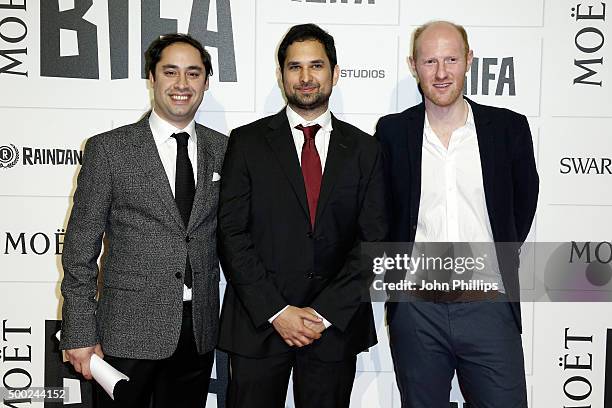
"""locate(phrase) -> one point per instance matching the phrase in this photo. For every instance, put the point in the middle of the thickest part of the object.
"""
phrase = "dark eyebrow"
(191, 67)
(317, 61)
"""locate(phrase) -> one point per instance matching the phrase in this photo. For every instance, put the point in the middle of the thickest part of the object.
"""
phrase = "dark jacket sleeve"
(525, 180)
(241, 264)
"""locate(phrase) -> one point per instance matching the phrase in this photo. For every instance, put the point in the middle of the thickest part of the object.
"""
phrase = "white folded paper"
(104, 374)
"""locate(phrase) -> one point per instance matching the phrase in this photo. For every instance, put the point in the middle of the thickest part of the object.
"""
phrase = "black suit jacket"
(509, 176)
(269, 253)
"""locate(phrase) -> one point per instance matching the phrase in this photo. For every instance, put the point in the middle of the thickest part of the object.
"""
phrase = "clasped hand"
(299, 326)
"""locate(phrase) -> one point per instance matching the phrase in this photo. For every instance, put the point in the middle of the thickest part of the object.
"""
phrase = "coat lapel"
(281, 142)
(415, 123)
(486, 147)
(147, 157)
(205, 169)
(338, 152)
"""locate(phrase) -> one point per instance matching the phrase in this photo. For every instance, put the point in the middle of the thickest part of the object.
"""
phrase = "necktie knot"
(309, 131)
(181, 138)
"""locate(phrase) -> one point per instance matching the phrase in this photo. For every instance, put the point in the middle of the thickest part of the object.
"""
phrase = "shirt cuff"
(278, 314)
(326, 322)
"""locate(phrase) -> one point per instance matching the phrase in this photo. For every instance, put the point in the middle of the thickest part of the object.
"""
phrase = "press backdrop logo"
(576, 362)
(81, 60)
(9, 156)
(491, 76)
(589, 42)
(35, 156)
(585, 165)
(362, 73)
(16, 367)
(28, 243)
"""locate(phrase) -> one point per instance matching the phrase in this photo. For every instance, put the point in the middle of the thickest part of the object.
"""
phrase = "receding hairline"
(416, 34)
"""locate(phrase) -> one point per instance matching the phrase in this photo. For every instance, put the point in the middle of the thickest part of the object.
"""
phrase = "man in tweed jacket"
(156, 313)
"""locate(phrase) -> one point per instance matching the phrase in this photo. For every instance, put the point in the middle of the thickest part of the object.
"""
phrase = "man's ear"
(412, 66)
(335, 75)
(470, 58)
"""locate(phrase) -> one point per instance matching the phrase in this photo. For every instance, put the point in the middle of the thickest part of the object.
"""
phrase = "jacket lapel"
(415, 122)
(205, 169)
(338, 152)
(147, 157)
(486, 147)
(281, 142)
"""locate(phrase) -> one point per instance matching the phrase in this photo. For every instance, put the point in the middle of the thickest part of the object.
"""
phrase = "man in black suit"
(300, 191)
(458, 171)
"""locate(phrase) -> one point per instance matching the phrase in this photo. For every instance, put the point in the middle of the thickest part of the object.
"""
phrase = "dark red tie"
(311, 168)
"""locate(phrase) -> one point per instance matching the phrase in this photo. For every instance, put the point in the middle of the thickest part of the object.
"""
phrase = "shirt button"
(178, 275)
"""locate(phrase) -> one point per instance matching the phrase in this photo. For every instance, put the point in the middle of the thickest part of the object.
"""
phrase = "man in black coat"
(300, 191)
(457, 171)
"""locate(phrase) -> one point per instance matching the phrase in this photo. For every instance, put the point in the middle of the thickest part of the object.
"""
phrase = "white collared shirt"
(166, 147)
(321, 138)
(453, 207)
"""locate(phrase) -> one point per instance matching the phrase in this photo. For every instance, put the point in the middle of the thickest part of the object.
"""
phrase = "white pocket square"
(216, 176)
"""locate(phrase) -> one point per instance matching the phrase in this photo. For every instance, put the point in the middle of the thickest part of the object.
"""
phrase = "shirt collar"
(469, 125)
(163, 130)
(324, 120)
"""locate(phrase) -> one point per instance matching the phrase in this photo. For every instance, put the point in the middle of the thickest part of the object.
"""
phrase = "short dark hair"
(153, 53)
(304, 32)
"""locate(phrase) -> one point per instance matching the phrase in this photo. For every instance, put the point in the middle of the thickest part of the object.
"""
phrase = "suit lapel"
(205, 173)
(414, 144)
(281, 142)
(338, 152)
(486, 147)
(147, 157)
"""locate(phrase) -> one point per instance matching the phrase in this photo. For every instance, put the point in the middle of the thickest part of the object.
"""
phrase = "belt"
(457, 295)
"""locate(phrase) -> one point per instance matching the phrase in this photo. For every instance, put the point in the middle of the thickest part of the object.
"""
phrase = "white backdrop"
(72, 68)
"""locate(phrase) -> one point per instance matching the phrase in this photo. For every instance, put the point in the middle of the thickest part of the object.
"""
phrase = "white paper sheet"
(104, 374)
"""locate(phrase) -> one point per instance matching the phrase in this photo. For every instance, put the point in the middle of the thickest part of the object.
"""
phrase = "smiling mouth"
(442, 86)
(179, 98)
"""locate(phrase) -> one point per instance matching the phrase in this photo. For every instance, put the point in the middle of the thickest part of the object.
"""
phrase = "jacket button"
(310, 275)
(178, 275)
(187, 238)
(309, 234)
(414, 227)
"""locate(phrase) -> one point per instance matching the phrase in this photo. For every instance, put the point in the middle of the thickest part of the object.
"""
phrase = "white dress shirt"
(321, 138)
(166, 147)
(453, 207)
(322, 144)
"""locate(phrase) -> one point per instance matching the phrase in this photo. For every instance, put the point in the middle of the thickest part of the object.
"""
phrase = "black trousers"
(178, 381)
(262, 382)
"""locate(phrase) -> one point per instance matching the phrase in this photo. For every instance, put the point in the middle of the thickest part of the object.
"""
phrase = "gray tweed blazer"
(123, 196)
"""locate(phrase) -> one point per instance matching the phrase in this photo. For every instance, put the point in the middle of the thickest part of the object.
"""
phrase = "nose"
(441, 71)
(181, 81)
(305, 74)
